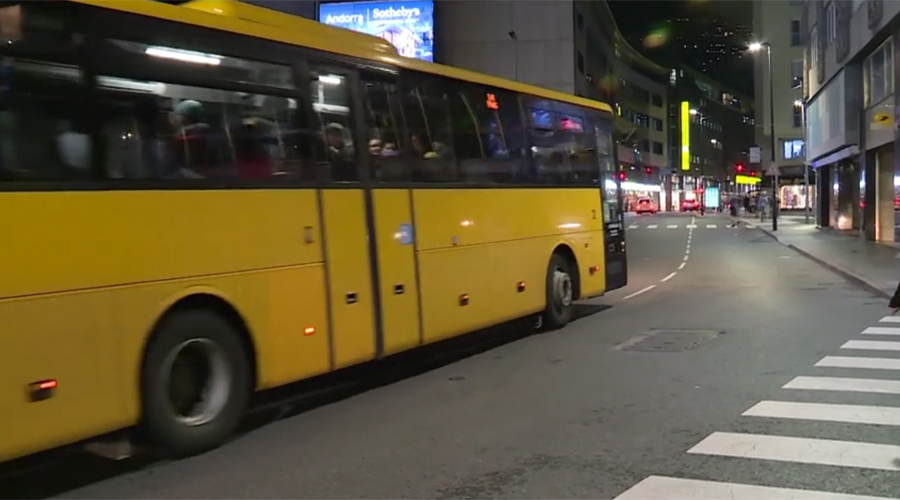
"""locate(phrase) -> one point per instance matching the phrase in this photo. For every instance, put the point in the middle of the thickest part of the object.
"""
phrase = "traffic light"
(621, 176)
(740, 168)
(648, 170)
(753, 173)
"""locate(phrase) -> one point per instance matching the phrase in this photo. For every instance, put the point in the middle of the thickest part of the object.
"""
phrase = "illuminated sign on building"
(409, 26)
(685, 135)
(747, 180)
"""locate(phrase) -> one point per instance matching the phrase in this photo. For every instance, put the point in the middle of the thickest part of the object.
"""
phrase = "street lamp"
(807, 208)
(756, 47)
(701, 182)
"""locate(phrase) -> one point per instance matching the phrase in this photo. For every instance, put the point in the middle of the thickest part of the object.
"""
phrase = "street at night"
(736, 369)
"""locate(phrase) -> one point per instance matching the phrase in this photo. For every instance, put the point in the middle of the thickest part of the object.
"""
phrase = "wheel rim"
(197, 381)
(562, 289)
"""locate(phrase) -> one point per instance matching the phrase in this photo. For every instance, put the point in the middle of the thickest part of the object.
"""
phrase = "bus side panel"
(349, 276)
(454, 270)
(67, 338)
(397, 269)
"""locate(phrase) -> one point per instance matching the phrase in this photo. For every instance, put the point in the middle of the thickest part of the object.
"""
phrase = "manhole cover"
(668, 340)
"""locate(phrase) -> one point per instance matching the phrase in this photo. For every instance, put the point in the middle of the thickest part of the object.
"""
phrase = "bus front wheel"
(560, 293)
(196, 383)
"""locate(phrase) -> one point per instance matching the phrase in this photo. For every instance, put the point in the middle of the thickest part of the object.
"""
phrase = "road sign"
(772, 170)
(755, 154)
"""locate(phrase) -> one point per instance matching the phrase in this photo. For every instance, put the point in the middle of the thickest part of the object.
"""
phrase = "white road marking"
(711, 226)
(859, 362)
(642, 290)
(670, 276)
(890, 319)
(672, 488)
(692, 226)
(750, 226)
(687, 252)
(881, 330)
(872, 345)
(686, 257)
(633, 226)
(800, 450)
(672, 226)
(681, 266)
(652, 226)
(844, 384)
(825, 412)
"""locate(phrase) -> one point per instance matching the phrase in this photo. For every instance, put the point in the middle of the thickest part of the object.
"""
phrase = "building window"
(798, 116)
(656, 100)
(795, 33)
(793, 149)
(879, 73)
(814, 47)
(657, 124)
(830, 23)
(796, 73)
(657, 148)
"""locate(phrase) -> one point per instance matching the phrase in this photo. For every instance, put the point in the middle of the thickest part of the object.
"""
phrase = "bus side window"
(44, 133)
(490, 142)
(155, 129)
(384, 121)
(426, 113)
(331, 107)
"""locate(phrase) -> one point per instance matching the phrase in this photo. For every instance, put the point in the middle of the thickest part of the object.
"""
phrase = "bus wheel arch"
(563, 287)
(197, 375)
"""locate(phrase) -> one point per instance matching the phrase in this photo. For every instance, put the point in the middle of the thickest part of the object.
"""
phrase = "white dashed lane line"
(687, 254)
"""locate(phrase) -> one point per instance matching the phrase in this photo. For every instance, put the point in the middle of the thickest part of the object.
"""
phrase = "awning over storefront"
(841, 154)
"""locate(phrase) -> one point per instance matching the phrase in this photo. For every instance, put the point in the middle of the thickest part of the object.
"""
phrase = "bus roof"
(259, 22)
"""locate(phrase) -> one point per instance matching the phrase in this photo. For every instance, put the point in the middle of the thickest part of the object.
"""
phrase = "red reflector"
(47, 385)
(309, 330)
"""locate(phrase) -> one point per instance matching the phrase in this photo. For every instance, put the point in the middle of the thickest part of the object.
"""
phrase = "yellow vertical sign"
(685, 135)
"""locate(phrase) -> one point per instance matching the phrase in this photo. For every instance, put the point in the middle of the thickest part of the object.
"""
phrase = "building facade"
(574, 47)
(779, 24)
(851, 102)
(710, 134)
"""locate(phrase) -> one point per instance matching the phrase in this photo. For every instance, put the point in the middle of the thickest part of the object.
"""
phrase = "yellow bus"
(205, 200)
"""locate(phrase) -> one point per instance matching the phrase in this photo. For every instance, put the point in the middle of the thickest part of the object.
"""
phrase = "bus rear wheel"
(196, 383)
(560, 294)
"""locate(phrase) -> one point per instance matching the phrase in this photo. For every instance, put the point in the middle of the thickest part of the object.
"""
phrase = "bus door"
(616, 264)
(390, 215)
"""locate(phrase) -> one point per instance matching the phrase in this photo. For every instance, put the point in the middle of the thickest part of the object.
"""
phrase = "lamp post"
(756, 47)
(807, 208)
(700, 117)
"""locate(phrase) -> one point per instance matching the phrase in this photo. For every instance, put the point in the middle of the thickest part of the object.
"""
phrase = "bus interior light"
(309, 330)
(184, 55)
(330, 79)
(520, 286)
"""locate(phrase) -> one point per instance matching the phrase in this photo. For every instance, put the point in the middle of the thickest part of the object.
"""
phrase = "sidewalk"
(872, 265)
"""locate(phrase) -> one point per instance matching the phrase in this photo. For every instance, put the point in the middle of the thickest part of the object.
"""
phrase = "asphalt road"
(650, 389)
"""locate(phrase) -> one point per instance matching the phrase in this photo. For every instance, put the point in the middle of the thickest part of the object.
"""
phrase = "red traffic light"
(621, 176)
(740, 167)
(753, 173)
(648, 170)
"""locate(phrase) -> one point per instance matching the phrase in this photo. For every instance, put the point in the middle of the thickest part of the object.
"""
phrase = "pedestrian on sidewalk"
(733, 210)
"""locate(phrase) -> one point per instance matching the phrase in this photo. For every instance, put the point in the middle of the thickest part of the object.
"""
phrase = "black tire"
(186, 343)
(559, 309)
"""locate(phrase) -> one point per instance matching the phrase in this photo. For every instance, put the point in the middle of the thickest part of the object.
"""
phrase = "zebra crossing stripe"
(799, 450)
(674, 488)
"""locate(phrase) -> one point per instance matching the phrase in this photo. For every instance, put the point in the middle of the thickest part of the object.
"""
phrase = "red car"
(645, 206)
(690, 205)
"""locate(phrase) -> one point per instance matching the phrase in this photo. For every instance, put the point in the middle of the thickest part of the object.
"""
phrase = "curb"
(849, 276)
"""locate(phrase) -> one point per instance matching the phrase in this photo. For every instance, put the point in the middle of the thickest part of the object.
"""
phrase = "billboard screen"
(409, 26)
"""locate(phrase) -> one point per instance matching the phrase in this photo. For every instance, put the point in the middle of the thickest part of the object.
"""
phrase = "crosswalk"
(806, 451)
(685, 226)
